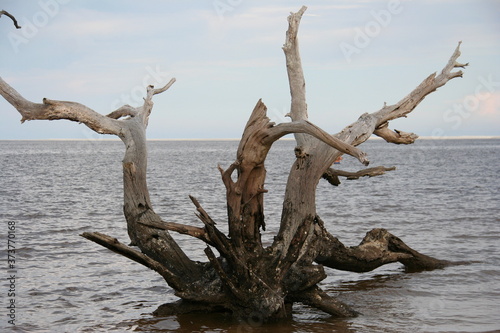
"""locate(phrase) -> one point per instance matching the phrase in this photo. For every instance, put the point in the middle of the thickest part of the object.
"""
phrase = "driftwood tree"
(246, 278)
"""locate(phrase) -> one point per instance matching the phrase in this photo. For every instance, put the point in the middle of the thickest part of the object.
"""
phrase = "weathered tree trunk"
(248, 279)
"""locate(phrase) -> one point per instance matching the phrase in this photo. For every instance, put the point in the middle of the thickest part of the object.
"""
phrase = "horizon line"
(237, 139)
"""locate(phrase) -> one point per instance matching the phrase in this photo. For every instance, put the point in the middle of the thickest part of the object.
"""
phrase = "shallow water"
(443, 200)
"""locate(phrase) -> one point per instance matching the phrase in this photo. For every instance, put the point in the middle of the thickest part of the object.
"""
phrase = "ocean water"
(443, 200)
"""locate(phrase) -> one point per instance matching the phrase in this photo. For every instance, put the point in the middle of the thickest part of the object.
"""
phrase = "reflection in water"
(304, 319)
(224, 323)
(374, 282)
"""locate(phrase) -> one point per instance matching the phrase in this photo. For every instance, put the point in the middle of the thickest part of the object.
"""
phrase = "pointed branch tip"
(162, 89)
(457, 64)
(6, 13)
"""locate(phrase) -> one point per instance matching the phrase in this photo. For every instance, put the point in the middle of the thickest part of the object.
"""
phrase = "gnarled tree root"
(378, 247)
(319, 299)
(314, 297)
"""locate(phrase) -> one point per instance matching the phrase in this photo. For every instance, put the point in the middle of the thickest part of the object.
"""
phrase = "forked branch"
(53, 110)
(408, 104)
(148, 101)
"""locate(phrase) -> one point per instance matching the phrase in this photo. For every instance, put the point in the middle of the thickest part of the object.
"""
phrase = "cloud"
(96, 52)
(490, 106)
(83, 23)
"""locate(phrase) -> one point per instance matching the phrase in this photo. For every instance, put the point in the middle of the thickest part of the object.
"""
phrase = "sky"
(226, 55)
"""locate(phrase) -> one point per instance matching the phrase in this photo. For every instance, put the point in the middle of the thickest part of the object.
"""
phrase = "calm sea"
(443, 200)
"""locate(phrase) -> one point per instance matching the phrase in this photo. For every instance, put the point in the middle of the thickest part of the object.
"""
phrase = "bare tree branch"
(430, 84)
(397, 137)
(3, 12)
(123, 111)
(317, 298)
(53, 110)
(184, 229)
(148, 101)
(298, 109)
(296, 80)
(114, 245)
(319, 156)
(307, 127)
(217, 238)
(331, 175)
(162, 89)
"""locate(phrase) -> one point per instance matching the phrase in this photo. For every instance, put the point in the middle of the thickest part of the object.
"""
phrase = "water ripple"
(443, 200)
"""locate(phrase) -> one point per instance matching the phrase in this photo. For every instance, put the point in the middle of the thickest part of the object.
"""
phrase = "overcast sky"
(226, 54)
